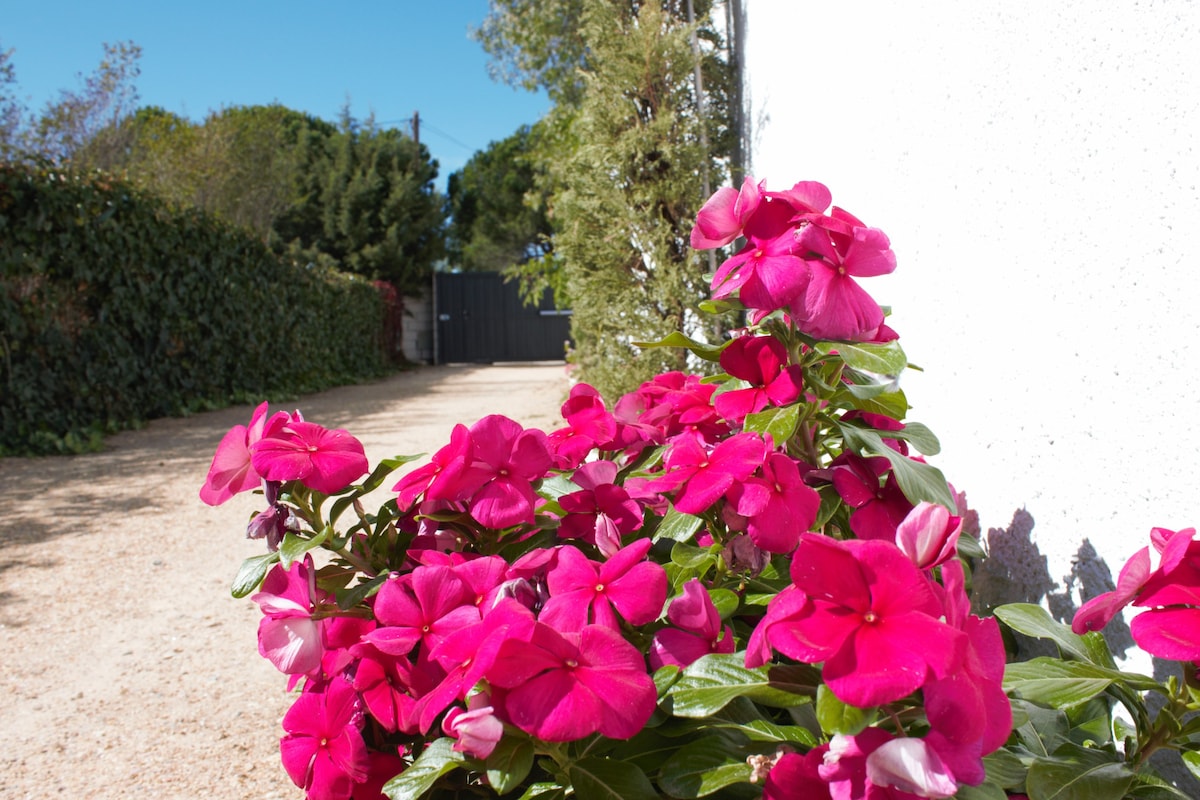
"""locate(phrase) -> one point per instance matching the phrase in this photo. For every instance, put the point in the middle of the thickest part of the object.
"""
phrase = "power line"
(407, 123)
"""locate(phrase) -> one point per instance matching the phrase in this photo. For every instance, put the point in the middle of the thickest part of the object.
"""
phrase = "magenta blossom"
(476, 729)
(762, 361)
(325, 461)
(288, 636)
(583, 591)
(871, 617)
(323, 751)
(564, 686)
(929, 535)
(836, 250)
(601, 512)
(723, 215)
(697, 630)
(232, 471)
(511, 459)
(775, 507)
(704, 476)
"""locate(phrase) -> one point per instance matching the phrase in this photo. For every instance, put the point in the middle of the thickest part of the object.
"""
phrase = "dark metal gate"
(480, 318)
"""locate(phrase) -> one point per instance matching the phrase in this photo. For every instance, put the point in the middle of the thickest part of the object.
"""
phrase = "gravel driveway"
(126, 668)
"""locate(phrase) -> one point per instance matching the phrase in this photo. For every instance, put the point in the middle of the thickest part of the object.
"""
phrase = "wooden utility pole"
(416, 125)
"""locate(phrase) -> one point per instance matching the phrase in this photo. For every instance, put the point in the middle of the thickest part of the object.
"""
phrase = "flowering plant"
(749, 584)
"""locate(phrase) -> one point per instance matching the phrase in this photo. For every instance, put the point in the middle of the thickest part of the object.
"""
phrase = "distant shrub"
(115, 308)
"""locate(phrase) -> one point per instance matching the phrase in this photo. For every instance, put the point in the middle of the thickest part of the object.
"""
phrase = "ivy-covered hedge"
(116, 309)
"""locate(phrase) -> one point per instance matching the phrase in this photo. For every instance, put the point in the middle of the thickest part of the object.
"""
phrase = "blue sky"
(392, 58)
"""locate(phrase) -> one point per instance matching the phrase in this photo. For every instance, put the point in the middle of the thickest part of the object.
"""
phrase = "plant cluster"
(115, 308)
(739, 586)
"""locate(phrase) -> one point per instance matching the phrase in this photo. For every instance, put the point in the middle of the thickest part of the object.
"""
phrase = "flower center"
(572, 663)
(599, 587)
(870, 617)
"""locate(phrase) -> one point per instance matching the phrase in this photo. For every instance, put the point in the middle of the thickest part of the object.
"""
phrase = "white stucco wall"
(1036, 164)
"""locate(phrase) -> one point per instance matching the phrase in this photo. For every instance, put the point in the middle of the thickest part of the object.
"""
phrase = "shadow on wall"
(1017, 572)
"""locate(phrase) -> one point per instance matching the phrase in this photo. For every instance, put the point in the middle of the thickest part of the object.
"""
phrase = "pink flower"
(762, 361)
(777, 507)
(877, 510)
(288, 636)
(968, 711)
(929, 535)
(325, 461)
(767, 273)
(847, 767)
(722, 216)
(837, 249)
(601, 512)
(589, 425)
(448, 476)
(697, 630)
(323, 751)
(796, 777)
(704, 476)
(564, 686)
(910, 765)
(477, 729)
(583, 591)
(510, 458)
(1171, 628)
(872, 618)
(232, 471)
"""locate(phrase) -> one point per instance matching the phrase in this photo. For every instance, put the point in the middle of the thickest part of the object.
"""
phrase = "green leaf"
(437, 760)
(892, 403)
(605, 779)
(919, 436)
(918, 481)
(986, 791)
(835, 716)
(1004, 769)
(509, 763)
(708, 684)
(1035, 621)
(677, 526)
(544, 791)
(692, 557)
(880, 359)
(293, 546)
(704, 350)
(1191, 760)
(1054, 683)
(1078, 773)
(349, 598)
(556, 486)
(725, 601)
(252, 572)
(385, 468)
(702, 767)
(779, 423)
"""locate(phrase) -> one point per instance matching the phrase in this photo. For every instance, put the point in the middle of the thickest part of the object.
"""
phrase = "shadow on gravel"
(52, 496)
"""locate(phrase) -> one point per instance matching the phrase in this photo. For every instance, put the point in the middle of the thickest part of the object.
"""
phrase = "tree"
(11, 108)
(496, 208)
(373, 207)
(537, 44)
(84, 126)
(625, 154)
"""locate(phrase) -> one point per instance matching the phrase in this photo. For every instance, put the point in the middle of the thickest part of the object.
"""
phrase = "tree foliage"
(497, 207)
(625, 154)
(372, 206)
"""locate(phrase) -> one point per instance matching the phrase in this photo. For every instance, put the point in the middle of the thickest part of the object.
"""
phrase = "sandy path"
(126, 668)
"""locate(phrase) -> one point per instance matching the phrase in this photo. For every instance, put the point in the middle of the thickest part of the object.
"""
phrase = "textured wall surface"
(1037, 167)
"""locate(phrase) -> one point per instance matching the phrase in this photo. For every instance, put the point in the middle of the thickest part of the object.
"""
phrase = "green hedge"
(116, 309)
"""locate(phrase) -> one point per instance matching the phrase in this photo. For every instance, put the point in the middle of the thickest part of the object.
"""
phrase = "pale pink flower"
(929, 535)
(231, 471)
